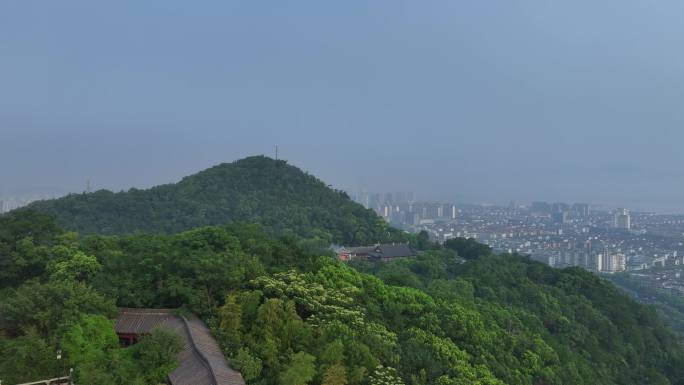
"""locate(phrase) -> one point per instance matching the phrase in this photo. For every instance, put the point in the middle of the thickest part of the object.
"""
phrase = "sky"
(466, 101)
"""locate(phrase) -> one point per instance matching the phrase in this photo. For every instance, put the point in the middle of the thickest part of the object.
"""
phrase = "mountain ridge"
(256, 189)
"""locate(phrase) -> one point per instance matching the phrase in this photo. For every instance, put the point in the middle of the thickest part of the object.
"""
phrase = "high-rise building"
(561, 217)
(541, 208)
(580, 210)
(434, 211)
(598, 262)
(622, 219)
(416, 218)
(613, 262)
(364, 199)
(399, 197)
(559, 207)
(375, 201)
(2, 207)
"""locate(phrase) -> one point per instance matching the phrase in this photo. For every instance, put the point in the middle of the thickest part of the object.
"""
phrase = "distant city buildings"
(402, 211)
(612, 262)
(563, 235)
(622, 219)
(558, 234)
(562, 217)
(581, 210)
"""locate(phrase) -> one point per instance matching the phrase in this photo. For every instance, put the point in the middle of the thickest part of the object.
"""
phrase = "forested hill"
(286, 317)
(257, 189)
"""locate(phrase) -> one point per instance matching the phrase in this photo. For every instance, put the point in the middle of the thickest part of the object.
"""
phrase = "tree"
(155, 355)
(230, 316)
(25, 237)
(77, 267)
(89, 339)
(147, 362)
(300, 371)
(333, 353)
(422, 241)
(335, 375)
(468, 248)
(385, 376)
(22, 358)
(47, 307)
(249, 365)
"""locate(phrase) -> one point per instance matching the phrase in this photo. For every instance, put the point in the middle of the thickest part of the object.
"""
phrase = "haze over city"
(467, 102)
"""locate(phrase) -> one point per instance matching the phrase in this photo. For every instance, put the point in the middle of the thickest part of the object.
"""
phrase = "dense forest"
(53, 318)
(257, 189)
(286, 313)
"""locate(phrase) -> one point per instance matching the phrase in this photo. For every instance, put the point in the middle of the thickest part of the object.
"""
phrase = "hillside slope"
(257, 189)
(286, 317)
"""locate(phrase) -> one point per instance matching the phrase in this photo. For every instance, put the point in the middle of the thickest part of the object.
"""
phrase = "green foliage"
(52, 307)
(468, 248)
(154, 355)
(258, 189)
(49, 307)
(527, 323)
(230, 318)
(335, 375)
(25, 237)
(39, 319)
(385, 376)
(196, 269)
(87, 340)
(249, 365)
(77, 267)
(24, 357)
(147, 362)
(453, 316)
(300, 370)
(668, 305)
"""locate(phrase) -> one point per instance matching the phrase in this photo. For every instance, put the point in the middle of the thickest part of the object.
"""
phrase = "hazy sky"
(470, 101)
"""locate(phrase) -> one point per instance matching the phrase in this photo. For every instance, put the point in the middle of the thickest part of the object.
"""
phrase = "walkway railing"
(53, 381)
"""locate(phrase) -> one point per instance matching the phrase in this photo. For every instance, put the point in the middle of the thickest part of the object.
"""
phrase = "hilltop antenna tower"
(88, 185)
(276, 154)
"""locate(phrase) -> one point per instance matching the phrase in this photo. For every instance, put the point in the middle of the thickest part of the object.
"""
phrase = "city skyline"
(14, 201)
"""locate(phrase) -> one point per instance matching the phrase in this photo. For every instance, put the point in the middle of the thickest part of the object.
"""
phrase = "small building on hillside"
(200, 362)
(376, 253)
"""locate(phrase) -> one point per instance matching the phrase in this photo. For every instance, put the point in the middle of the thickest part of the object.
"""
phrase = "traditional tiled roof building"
(377, 252)
(200, 362)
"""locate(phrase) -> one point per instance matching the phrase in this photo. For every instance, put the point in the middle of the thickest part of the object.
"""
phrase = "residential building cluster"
(558, 234)
(400, 210)
(646, 245)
